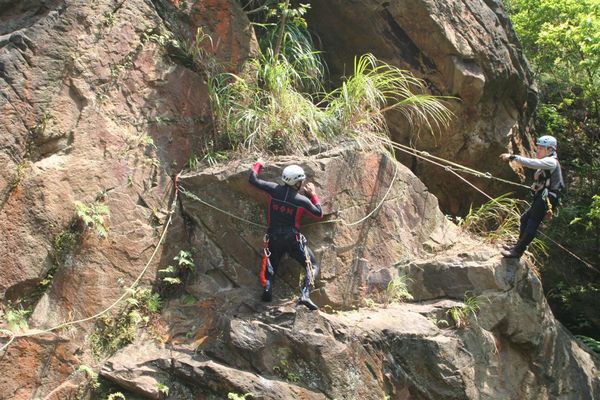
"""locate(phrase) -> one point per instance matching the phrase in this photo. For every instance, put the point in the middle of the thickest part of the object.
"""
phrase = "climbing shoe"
(306, 301)
(512, 253)
(267, 294)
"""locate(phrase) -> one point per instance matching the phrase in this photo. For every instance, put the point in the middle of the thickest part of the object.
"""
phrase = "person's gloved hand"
(309, 189)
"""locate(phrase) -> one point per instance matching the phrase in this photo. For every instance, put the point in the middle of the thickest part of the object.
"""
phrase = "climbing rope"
(340, 220)
(310, 268)
(451, 170)
(13, 336)
(451, 165)
(198, 199)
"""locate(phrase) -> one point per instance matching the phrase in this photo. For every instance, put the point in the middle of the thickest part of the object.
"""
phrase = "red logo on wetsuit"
(283, 209)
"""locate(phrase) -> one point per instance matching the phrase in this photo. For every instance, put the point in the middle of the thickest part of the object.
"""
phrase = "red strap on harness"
(265, 262)
(263, 271)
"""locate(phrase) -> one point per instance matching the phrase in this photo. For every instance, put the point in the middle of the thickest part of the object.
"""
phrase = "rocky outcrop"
(102, 105)
(378, 214)
(465, 49)
(96, 107)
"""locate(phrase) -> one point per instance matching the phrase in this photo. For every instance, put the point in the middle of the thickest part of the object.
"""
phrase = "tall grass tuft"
(267, 108)
(498, 220)
(271, 107)
(359, 105)
(278, 103)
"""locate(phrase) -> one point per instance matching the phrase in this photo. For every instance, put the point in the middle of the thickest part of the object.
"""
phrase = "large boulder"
(101, 103)
(96, 107)
(464, 49)
(511, 348)
(377, 214)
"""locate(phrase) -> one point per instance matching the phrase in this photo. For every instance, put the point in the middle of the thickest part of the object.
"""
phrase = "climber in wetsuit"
(286, 207)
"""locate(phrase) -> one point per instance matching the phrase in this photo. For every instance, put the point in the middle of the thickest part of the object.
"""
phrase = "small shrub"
(16, 317)
(64, 243)
(498, 221)
(370, 303)
(590, 342)
(115, 331)
(397, 290)
(19, 175)
(162, 388)
(91, 375)
(460, 314)
(94, 216)
(235, 396)
(184, 263)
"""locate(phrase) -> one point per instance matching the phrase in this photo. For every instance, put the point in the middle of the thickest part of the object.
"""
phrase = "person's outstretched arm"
(259, 183)
(548, 163)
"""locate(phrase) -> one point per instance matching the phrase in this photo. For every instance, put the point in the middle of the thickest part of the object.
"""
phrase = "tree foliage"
(561, 38)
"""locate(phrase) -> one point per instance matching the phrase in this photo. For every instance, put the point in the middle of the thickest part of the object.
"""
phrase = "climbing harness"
(310, 269)
(266, 264)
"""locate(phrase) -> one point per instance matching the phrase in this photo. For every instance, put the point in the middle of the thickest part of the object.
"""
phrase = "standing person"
(286, 206)
(548, 182)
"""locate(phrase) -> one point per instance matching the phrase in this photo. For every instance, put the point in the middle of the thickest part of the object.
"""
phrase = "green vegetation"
(397, 290)
(590, 342)
(94, 216)
(115, 331)
(162, 388)
(498, 221)
(116, 396)
(91, 375)
(561, 38)
(460, 314)
(173, 273)
(19, 174)
(279, 102)
(283, 370)
(16, 316)
(235, 396)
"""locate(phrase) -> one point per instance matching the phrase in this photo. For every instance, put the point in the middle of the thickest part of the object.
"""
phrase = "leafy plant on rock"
(460, 314)
(397, 290)
(115, 331)
(173, 273)
(94, 216)
(16, 316)
(236, 396)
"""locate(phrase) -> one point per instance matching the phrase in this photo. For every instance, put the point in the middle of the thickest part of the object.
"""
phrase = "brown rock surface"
(465, 49)
(85, 86)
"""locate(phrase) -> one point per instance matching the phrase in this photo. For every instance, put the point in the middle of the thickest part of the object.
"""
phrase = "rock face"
(101, 105)
(378, 214)
(465, 49)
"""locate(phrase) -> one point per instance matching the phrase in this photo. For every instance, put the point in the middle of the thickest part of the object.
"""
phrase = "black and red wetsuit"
(286, 207)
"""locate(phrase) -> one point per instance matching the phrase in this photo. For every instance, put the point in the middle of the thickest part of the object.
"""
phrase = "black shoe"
(512, 253)
(306, 301)
(267, 295)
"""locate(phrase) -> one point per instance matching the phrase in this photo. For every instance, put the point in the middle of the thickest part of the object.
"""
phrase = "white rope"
(127, 291)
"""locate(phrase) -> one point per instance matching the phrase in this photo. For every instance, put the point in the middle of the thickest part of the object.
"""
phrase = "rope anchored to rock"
(12, 336)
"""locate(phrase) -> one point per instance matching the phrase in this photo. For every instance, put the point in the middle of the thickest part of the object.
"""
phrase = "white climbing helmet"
(547, 141)
(293, 174)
